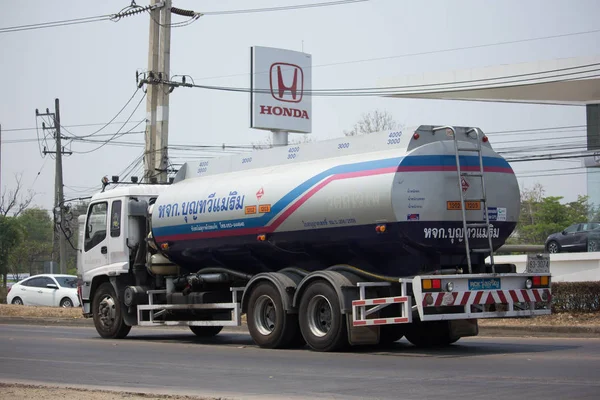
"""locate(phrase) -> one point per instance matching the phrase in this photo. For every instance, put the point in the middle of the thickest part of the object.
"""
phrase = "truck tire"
(206, 331)
(430, 334)
(107, 313)
(268, 323)
(389, 334)
(321, 321)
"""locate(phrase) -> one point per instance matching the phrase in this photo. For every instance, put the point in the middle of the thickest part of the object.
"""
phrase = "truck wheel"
(268, 323)
(430, 334)
(389, 334)
(107, 313)
(321, 321)
(206, 331)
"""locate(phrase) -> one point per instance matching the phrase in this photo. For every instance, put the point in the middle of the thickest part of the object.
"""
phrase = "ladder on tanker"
(483, 200)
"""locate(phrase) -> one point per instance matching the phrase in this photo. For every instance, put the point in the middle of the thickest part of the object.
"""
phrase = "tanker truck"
(351, 241)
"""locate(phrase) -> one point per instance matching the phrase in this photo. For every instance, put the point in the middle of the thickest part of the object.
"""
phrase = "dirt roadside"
(18, 391)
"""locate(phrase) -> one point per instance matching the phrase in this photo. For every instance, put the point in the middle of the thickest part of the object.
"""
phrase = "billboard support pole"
(279, 138)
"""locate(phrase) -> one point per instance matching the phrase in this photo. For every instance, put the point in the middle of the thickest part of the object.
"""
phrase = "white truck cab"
(114, 228)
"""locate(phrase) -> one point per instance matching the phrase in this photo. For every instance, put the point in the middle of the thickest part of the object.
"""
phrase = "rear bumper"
(458, 297)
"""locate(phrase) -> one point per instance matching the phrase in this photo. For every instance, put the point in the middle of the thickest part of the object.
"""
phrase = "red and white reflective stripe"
(383, 300)
(380, 321)
(485, 297)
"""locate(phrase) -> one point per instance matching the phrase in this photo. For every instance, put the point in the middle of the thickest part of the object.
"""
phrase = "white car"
(45, 290)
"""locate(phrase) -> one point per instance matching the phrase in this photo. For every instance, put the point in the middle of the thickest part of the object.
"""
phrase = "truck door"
(116, 240)
(95, 247)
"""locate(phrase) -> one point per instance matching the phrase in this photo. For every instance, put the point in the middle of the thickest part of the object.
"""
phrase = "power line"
(422, 53)
(54, 24)
(544, 130)
(360, 92)
(559, 174)
(38, 174)
(516, 132)
(70, 126)
(125, 12)
(119, 131)
(30, 140)
(453, 83)
(112, 119)
(282, 8)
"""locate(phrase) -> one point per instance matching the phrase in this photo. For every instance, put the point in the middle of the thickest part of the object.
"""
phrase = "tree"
(36, 244)
(13, 201)
(541, 216)
(72, 226)
(375, 121)
(268, 143)
(11, 236)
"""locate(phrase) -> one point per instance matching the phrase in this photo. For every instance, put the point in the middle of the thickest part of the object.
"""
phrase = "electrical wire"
(125, 12)
(28, 140)
(119, 131)
(282, 8)
(109, 122)
(559, 174)
(470, 81)
(523, 132)
(55, 24)
(422, 53)
(38, 174)
(383, 91)
(517, 132)
(68, 126)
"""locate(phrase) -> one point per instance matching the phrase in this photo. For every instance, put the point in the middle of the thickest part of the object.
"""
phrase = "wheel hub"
(319, 315)
(265, 316)
(107, 311)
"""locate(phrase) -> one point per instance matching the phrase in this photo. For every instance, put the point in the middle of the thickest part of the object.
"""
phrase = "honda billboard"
(281, 84)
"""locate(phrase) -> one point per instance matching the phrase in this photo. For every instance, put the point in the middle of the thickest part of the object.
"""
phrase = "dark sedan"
(577, 237)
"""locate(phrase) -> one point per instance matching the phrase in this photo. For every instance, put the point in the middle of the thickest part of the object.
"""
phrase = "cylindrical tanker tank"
(388, 203)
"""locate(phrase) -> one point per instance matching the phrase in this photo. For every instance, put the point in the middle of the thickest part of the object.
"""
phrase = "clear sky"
(91, 68)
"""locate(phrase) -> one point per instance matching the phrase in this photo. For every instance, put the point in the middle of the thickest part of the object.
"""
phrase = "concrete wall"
(564, 267)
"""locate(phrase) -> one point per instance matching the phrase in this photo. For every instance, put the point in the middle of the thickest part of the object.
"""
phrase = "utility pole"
(164, 65)
(159, 87)
(58, 183)
(152, 99)
(0, 157)
(157, 106)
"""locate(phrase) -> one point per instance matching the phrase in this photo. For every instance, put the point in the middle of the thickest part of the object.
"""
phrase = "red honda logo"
(287, 82)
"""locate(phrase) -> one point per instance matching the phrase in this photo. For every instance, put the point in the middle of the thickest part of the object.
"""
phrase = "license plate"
(469, 205)
(538, 263)
(484, 284)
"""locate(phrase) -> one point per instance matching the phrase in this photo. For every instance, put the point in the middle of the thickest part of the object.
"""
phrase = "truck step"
(475, 150)
(471, 174)
(481, 250)
(477, 225)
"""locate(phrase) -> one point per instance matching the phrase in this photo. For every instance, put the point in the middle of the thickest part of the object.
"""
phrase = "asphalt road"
(176, 362)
